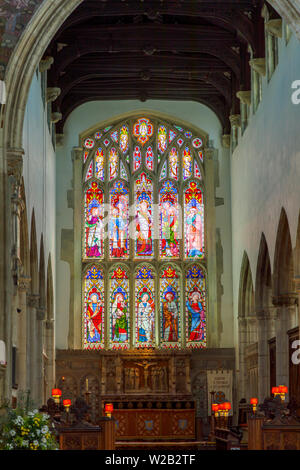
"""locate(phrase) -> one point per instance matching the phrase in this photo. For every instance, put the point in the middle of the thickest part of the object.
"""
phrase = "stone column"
(33, 305)
(245, 99)
(210, 220)
(284, 304)
(75, 341)
(242, 360)
(263, 356)
(50, 353)
(40, 317)
(235, 121)
(23, 371)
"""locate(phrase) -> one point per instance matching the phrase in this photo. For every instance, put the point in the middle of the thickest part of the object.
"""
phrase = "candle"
(87, 384)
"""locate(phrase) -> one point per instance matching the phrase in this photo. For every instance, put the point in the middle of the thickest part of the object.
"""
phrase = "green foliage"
(22, 429)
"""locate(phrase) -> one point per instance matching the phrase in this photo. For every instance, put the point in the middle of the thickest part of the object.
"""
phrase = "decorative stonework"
(244, 97)
(285, 300)
(59, 140)
(235, 120)
(259, 65)
(274, 27)
(56, 117)
(52, 94)
(226, 138)
(33, 300)
(45, 64)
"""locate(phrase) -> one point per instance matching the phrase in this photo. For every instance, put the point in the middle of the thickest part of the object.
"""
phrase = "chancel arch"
(248, 355)
(284, 298)
(264, 311)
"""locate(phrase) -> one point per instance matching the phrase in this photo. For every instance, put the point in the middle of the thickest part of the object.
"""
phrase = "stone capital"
(23, 283)
(297, 284)
(59, 140)
(14, 158)
(244, 96)
(285, 300)
(33, 300)
(41, 313)
(274, 27)
(56, 117)
(226, 138)
(235, 120)
(49, 324)
(46, 63)
(77, 153)
(259, 65)
(52, 94)
(209, 153)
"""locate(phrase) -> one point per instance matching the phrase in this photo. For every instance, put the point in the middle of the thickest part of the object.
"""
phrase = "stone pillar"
(75, 341)
(242, 359)
(263, 356)
(245, 99)
(212, 323)
(235, 121)
(33, 305)
(40, 317)
(284, 304)
(23, 371)
(50, 354)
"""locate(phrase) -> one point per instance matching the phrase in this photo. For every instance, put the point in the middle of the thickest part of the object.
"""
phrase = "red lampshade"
(227, 406)
(215, 407)
(275, 390)
(67, 403)
(283, 389)
(109, 408)
(221, 406)
(253, 401)
(56, 392)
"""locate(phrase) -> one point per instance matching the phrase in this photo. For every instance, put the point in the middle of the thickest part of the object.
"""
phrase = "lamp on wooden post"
(253, 403)
(108, 409)
(56, 394)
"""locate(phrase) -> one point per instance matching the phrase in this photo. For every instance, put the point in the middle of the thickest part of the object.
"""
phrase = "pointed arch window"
(143, 236)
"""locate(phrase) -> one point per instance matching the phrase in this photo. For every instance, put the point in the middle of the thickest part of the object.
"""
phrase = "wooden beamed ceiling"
(164, 50)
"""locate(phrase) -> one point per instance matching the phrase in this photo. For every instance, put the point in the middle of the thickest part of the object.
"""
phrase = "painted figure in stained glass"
(118, 222)
(144, 244)
(95, 317)
(170, 316)
(162, 139)
(120, 320)
(145, 317)
(113, 163)
(196, 316)
(99, 164)
(94, 222)
(194, 223)
(187, 163)
(169, 224)
(124, 139)
(173, 164)
(143, 130)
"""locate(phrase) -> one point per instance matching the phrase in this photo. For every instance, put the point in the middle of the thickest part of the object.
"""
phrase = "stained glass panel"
(143, 201)
(170, 308)
(169, 221)
(194, 221)
(123, 172)
(113, 163)
(124, 139)
(99, 164)
(143, 130)
(187, 163)
(172, 135)
(195, 308)
(197, 171)
(93, 221)
(162, 139)
(90, 170)
(144, 308)
(93, 321)
(119, 309)
(137, 158)
(173, 163)
(163, 173)
(118, 221)
(150, 159)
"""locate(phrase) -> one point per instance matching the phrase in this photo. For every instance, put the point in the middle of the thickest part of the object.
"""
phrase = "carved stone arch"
(42, 275)
(24, 237)
(34, 273)
(283, 277)
(246, 291)
(263, 280)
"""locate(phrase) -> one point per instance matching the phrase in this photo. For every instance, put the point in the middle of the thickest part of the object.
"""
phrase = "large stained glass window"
(143, 236)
